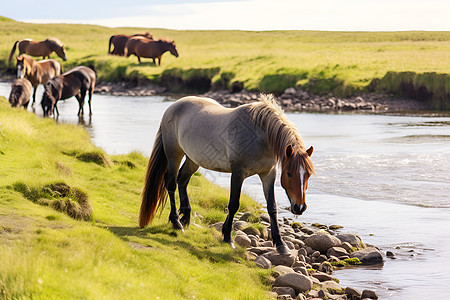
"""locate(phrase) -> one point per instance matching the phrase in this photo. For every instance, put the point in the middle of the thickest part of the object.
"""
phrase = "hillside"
(414, 64)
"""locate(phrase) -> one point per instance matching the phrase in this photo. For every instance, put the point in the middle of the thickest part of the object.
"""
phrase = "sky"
(343, 15)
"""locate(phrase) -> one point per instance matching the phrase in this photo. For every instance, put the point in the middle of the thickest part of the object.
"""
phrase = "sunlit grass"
(45, 254)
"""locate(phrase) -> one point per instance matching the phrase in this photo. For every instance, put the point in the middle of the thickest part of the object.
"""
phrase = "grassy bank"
(338, 62)
(49, 170)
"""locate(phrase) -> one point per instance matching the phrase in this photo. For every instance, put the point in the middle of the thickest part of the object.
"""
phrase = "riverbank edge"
(291, 100)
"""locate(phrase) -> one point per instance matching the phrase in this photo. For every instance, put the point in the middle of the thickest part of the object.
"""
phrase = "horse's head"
(296, 168)
(173, 48)
(49, 98)
(62, 53)
(56, 45)
(22, 66)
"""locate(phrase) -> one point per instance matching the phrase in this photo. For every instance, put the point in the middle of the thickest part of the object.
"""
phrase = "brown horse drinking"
(75, 82)
(42, 48)
(20, 93)
(37, 72)
(142, 47)
(120, 40)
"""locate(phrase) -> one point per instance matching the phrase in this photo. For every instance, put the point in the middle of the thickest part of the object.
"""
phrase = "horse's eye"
(289, 174)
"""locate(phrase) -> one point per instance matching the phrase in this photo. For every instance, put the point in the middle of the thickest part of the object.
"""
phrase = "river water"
(384, 177)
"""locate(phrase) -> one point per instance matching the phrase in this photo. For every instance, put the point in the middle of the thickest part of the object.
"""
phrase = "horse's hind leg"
(173, 164)
(186, 171)
(237, 178)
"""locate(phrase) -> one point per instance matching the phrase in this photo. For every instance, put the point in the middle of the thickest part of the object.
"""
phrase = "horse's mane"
(281, 133)
(167, 41)
(55, 41)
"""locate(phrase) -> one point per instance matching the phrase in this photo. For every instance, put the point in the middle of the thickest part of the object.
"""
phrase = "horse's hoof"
(283, 249)
(177, 225)
(185, 220)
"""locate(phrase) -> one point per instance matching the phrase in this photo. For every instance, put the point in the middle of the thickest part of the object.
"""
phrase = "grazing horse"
(42, 48)
(37, 72)
(75, 82)
(20, 93)
(247, 140)
(120, 40)
(142, 47)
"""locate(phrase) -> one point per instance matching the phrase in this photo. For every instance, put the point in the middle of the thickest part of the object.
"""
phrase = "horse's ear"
(310, 151)
(289, 151)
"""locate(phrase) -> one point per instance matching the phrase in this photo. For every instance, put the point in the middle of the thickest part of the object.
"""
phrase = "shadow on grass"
(168, 237)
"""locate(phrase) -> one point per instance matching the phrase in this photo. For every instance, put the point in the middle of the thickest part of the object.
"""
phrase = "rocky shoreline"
(291, 100)
(315, 251)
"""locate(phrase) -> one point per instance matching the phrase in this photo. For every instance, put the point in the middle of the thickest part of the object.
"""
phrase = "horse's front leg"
(80, 97)
(34, 96)
(237, 178)
(268, 181)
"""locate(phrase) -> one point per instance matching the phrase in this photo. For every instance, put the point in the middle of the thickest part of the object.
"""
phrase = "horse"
(42, 48)
(246, 140)
(142, 47)
(37, 72)
(120, 40)
(75, 82)
(20, 93)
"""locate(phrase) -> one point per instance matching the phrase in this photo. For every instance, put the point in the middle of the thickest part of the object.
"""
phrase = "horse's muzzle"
(298, 209)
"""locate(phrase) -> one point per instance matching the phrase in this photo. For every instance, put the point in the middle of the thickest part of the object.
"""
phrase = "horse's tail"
(12, 52)
(154, 193)
(110, 42)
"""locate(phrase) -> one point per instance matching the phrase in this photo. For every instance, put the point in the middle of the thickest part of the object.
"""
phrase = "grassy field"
(270, 61)
(45, 254)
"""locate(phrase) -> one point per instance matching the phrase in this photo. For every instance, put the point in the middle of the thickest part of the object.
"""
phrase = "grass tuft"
(59, 196)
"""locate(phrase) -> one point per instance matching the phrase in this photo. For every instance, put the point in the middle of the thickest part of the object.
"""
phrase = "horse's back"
(213, 136)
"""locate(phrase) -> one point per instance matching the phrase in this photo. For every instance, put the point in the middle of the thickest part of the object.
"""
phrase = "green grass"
(339, 62)
(47, 254)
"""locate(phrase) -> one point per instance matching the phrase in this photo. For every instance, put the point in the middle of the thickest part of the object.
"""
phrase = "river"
(384, 177)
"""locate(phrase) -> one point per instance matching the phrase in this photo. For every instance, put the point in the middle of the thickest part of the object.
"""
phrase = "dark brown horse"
(37, 72)
(42, 48)
(120, 40)
(20, 93)
(142, 47)
(75, 82)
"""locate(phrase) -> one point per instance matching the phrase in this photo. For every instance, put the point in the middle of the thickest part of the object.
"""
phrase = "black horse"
(75, 82)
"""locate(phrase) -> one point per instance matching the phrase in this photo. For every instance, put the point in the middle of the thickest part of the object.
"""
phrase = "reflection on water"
(367, 168)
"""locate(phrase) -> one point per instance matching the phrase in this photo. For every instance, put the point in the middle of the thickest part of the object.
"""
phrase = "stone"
(352, 293)
(263, 262)
(325, 267)
(282, 270)
(251, 231)
(284, 297)
(245, 216)
(239, 225)
(250, 255)
(242, 240)
(336, 251)
(352, 239)
(254, 241)
(261, 250)
(390, 254)
(322, 276)
(332, 287)
(347, 246)
(290, 91)
(368, 256)
(284, 291)
(280, 259)
(299, 282)
(301, 270)
(267, 244)
(369, 294)
(322, 241)
(217, 226)
(265, 217)
(321, 259)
